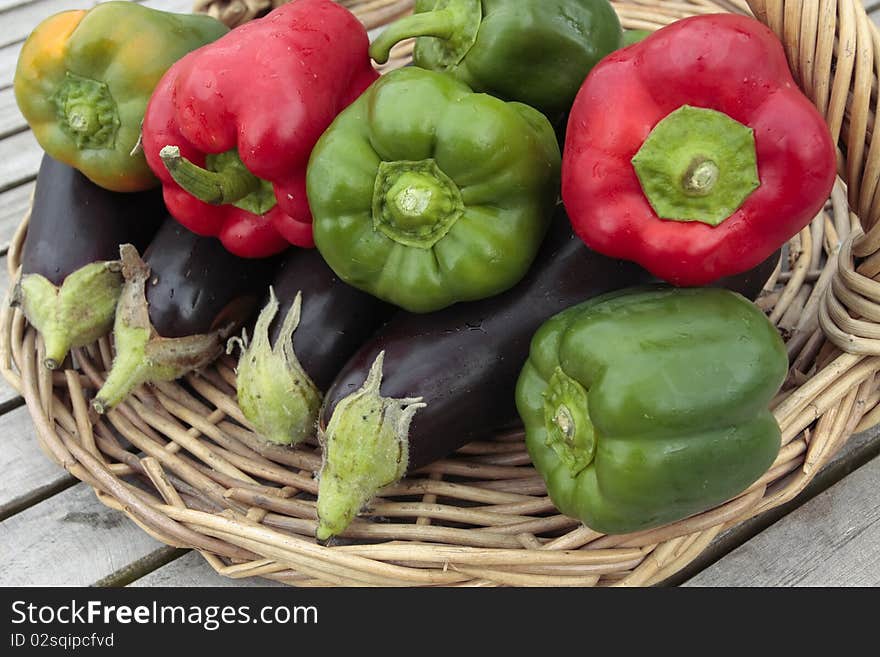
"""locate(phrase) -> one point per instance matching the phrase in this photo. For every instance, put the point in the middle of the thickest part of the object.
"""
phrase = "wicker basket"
(180, 461)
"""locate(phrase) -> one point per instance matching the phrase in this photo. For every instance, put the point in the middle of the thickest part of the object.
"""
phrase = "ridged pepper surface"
(230, 127)
(83, 80)
(647, 405)
(694, 153)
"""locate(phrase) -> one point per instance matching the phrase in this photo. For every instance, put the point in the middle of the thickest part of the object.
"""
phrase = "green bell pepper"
(424, 193)
(647, 405)
(634, 36)
(83, 80)
(537, 53)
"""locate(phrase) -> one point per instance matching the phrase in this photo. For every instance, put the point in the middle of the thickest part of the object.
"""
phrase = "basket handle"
(831, 47)
(235, 12)
(839, 80)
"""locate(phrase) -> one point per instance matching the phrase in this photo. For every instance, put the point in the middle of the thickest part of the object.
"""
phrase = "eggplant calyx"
(75, 314)
(274, 392)
(365, 447)
(142, 355)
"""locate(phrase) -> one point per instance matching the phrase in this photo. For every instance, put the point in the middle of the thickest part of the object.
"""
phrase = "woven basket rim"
(482, 516)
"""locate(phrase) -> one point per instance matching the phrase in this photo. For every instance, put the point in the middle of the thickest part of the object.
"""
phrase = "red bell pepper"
(230, 127)
(694, 153)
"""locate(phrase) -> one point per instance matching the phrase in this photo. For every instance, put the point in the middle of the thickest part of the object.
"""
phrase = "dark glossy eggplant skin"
(74, 222)
(751, 282)
(195, 284)
(465, 360)
(335, 318)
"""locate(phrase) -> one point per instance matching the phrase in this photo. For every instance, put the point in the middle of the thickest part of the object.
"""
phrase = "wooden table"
(53, 531)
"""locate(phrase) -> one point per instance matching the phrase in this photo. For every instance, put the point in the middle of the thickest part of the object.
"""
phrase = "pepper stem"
(75, 314)
(700, 178)
(87, 112)
(697, 164)
(365, 447)
(415, 203)
(567, 420)
(441, 24)
(454, 22)
(231, 183)
(274, 392)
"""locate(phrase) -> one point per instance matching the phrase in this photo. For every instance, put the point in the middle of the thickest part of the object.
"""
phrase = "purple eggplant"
(284, 369)
(70, 266)
(178, 306)
(447, 378)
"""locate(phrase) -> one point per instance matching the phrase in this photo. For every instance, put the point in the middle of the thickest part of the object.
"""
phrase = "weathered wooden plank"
(11, 120)
(13, 205)
(8, 61)
(858, 450)
(6, 5)
(19, 21)
(28, 475)
(71, 539)
(192, 570)
(8, 396)
(832, 540)
(20, 157)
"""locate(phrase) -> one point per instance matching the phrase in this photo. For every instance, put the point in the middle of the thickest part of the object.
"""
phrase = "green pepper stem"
(697, 164)
(230, 184)
(570, 431)
(700, 178)
(87, 112)
(442, 24)
(415, 203)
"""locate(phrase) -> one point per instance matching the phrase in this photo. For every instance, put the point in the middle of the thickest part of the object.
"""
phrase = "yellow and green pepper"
(84, 78)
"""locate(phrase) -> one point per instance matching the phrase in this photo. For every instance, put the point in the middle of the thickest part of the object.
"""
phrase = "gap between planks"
(72, 539)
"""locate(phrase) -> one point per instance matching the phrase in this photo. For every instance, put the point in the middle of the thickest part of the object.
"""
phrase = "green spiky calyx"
(274, 392)
(75, 314)
(365, 447)
(142, 355)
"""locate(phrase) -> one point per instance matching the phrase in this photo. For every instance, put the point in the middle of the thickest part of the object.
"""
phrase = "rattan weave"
(179, 460)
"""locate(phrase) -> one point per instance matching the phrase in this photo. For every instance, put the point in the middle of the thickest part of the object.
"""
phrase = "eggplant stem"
(75, 314)
(142, 355)
(365, 447)
(274, 392)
